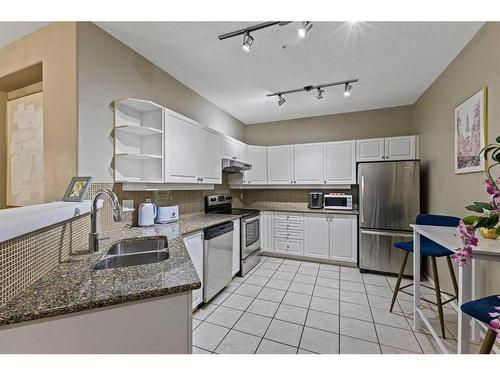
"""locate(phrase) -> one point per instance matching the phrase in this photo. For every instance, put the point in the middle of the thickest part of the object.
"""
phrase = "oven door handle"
(250, 220)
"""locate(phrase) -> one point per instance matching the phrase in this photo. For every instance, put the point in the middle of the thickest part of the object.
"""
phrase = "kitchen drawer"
(288, 217)
(293, 225)
(289, 246)
(289, 234)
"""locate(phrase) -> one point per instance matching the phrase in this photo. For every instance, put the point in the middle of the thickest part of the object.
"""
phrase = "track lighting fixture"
(306, 26)
(320, 93)
(281, 100)
(347, 89)
(319, 88)
(247, 41)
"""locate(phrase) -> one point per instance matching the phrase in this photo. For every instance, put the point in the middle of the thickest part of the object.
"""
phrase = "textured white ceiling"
(394, 61)
(12, 31)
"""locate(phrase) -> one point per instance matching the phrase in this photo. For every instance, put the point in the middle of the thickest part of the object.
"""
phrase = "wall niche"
(21, 128)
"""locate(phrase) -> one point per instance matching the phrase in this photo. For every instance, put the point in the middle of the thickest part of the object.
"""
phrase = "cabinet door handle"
(235, 157)
(324, 182)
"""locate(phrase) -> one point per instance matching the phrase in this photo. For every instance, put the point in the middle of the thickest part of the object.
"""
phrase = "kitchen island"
(136, 309)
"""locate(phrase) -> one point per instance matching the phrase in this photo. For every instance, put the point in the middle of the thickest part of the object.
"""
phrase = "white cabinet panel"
(234, 149)
(181, 149)
(343, 238)
(194, 245)
(401, 148)
(293, 247)
(316, 234)
(236, 247)
(370, 149)
(280, 165)
(340, 162)
(209, 156)
(257, 157)
(267, 220)
(308, 163)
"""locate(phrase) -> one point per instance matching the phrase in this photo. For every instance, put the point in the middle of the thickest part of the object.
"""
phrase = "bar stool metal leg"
(453, 277)
(438, 295)
(398, 282)
(489, 341)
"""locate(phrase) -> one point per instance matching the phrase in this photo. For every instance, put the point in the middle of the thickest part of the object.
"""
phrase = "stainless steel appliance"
(389, 201)
(338, 202)
(250, 240)
(315, 199)
(234, 166)
(217, 259)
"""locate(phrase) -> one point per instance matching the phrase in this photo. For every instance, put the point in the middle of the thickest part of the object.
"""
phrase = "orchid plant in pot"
(486, 219)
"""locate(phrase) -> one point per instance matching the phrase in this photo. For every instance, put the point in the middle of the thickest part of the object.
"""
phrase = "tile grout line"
(307, 312)
(244, 311)
(371, 313)
(286, 291)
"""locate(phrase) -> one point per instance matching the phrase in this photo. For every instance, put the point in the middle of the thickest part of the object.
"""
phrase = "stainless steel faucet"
(117, 216)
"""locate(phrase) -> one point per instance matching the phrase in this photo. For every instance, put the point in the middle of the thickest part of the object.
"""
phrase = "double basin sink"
(133, 253)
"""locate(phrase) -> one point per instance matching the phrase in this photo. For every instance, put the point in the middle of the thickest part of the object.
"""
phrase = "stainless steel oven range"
(250, 240)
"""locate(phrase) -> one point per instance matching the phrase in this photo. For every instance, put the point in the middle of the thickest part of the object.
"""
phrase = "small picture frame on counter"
(77, 189)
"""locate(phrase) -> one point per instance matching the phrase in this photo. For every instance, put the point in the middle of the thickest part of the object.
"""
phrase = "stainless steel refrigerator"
(389, 201)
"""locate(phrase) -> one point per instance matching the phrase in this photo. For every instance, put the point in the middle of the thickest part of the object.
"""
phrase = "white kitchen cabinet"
(194, 245)
(209, 155)
(236, 247)
(393, 148)
(370, 149)
(234, 149)
(289, 233)
(280, 165)
(257, 157)
(267, 225)
(343, 238)
(316, 232)
(340, 162)
(401, 148)
(308, 162)
(181, 149)
(193, 152)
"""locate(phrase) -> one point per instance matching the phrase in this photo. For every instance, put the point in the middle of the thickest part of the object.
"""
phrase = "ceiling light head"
(247, 41)
(306, 26)
(281, 100)
(347, 89)
(320, 93)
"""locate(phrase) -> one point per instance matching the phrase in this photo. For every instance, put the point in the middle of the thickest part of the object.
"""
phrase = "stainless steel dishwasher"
(217, 259)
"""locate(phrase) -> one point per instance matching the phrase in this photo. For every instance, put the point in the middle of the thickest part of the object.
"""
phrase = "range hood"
(234, 166)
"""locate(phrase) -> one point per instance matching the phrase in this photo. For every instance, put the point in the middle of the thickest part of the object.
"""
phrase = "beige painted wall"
(385, 122)
(109, 70)
(477, 66)
(3, 148)
(54, 46)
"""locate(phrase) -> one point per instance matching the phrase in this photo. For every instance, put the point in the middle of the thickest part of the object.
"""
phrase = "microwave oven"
(337, 202)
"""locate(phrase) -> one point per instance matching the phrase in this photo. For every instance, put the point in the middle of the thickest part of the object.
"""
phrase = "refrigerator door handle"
(386, 233)
(362, 192)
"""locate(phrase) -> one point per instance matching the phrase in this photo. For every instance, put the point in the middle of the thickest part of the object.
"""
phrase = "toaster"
(315, 200)
(167, 214)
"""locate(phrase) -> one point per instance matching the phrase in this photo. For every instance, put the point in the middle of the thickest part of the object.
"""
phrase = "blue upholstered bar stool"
(432, 250)
(480, 309)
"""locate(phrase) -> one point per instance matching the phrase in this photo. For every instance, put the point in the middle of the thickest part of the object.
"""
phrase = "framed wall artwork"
(77, 189)
(470, 133)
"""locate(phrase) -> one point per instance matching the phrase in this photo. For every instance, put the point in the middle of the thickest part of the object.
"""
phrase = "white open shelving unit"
(139, 141)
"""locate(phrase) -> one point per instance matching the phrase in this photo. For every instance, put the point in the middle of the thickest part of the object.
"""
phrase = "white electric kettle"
(147, 214)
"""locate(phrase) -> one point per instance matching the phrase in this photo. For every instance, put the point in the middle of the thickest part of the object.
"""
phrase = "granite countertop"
(295, 207)
(75, 286)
